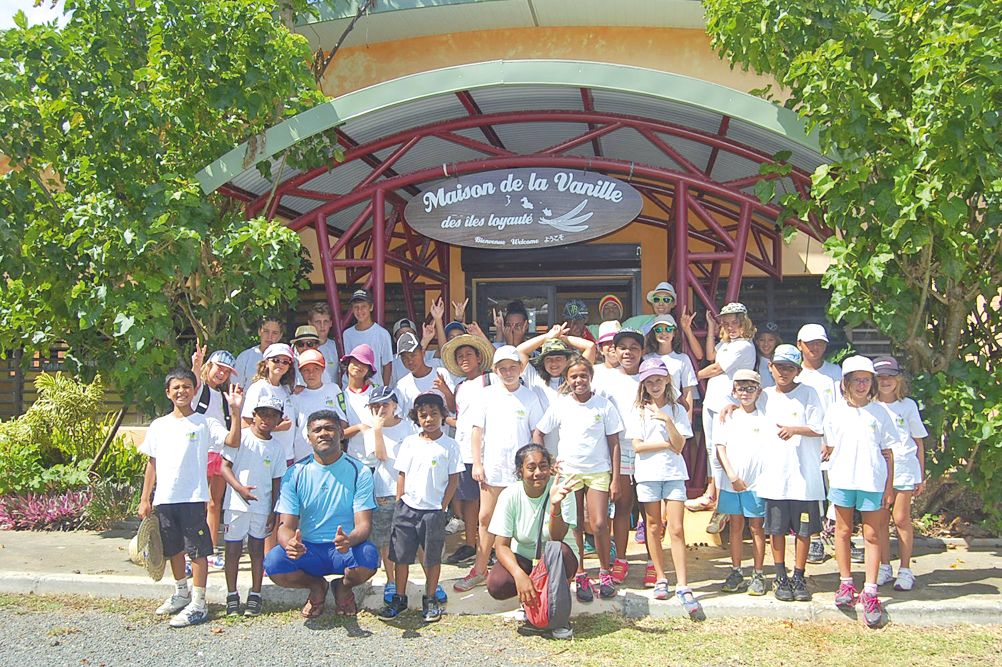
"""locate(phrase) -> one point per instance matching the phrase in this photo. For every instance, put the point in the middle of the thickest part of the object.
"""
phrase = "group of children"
(613, 406)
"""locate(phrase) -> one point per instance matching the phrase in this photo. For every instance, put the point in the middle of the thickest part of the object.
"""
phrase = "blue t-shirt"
(325, 497)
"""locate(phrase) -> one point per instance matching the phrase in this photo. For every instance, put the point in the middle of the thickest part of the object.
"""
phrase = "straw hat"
(149, 550)
(481, 345)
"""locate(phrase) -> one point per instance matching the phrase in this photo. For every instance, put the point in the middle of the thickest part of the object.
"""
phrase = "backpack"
(553, 604)
(203, 405)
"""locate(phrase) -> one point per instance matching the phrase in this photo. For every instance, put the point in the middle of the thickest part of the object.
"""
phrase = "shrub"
(111, 502)
(56, 511)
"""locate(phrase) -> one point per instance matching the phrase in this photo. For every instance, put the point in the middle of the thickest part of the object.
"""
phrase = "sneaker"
(396, 606)
(661, 590)
(717, 523)
(470, 581)
(216, 560)
(690, 604)
(174, 604)
(455, 525)
(589, 545)
(885, 574)
(800, 592)
(584, 591)
(190, 615)
(233, 604)
(872, 611)
(783, 590)
(562, 633)
(734, 583)
(856, 554)
(620, 568)
(846, 597)
(464, 553)
(519, 615)
(816, 552)
(389, 590)
(905, 580)
(758, 585)
(650, 575)
(253, 607)
(606, 585)
(430, 611)
(440, 595)
(492, 560)
(641, 535)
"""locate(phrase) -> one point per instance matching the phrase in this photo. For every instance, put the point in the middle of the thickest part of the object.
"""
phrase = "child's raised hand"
(438, 308)
(378, 421)
(234, 398)
(198, 357)
(459, 309)
(686, 319)
(560, 488)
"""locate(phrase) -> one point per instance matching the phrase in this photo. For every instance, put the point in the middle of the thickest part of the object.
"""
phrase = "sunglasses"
(666, 328)
(662, 299)
(862, 380)
(309, 344)
(746, 388)
(281, 361)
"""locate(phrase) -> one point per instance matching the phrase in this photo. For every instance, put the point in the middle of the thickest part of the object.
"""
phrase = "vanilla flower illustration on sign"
(519, 208)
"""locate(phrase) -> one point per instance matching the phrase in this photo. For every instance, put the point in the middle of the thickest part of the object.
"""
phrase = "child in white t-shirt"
(178, 445)
(429, 465)
(658, 427)
(253, 474)
(317, 395)
(661, 341)
(588, 425)
(860, 437)
(275, 377)
(367, 331)
(909, 469)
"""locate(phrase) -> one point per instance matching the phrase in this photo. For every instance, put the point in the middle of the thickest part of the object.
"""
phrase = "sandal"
(315, 609)
(700, 504)
(344, 607)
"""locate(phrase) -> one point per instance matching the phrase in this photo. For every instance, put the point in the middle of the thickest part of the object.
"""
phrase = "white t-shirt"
(410, 387)
(905, 416)
(621, 389)
(180, 447)
(826, 381)
(467, 398)
(426, 465)
(255, 463)
(398, 370)
(246, 365)
(385, 476)
(791, 469)
(214, 411)
(663, 465)
(304, 404)
(285, 439)
(681, 370)
(507, 419)
(548, 393)
(857, 436)
(732, 356)
(763, 370)
(375, 337)
(358, 412)
(746, 437)
(583, 428)
(329, 349)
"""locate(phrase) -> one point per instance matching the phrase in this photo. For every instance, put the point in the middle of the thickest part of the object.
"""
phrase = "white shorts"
(243, 524)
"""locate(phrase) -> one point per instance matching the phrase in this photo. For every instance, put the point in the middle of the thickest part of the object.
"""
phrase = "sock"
(904, 569)
(870, 589)
(181, 587)
(229, 593)
(757, 571)
(254, 594)
(845, 580)
(798, 573)
(198, 595)
(781, 571)
(738, 570)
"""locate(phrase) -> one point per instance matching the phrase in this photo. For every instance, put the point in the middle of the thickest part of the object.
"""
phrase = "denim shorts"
(652, 492)
(745, 503)
(864, 501)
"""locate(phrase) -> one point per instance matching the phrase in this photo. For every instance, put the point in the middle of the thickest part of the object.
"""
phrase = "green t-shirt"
(517, 516)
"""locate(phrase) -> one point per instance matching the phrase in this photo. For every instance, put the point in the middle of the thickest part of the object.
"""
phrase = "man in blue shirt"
(325, 515)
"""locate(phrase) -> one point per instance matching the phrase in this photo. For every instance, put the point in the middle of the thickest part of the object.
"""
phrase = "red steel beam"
(472, 108)
(740, 253)
(592, 134)
(725, 122)
(588, 102)
(379, 254)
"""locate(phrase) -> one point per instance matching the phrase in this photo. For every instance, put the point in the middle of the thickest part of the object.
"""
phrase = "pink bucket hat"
(362, 353)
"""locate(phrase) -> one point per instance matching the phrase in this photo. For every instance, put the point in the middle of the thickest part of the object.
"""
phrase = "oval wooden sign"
(512, 209)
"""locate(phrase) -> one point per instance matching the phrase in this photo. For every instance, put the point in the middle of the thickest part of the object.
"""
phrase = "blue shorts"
(864, 501)
(745, 503)
(652, 492)
(322, 559)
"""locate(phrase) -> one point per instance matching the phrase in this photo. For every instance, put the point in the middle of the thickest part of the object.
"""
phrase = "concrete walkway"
(957, 582)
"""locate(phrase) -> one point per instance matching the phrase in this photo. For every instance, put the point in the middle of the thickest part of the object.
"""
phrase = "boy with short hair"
(366, 330)
(319, 317)
(254, 475)
(178, 448)
(428, 465)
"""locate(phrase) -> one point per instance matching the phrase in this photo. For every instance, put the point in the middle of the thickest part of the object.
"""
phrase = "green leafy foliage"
(906, 97)
(106, 241)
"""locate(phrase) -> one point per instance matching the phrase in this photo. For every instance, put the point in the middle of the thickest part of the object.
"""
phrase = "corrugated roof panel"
(528, 138)
(772, 143)
(394, 119)
(433, 152)
(342, 219)
(632, 104)
(527, 98)
(341, 180)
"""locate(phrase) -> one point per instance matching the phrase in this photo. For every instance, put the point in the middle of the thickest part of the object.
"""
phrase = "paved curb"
(629, 603)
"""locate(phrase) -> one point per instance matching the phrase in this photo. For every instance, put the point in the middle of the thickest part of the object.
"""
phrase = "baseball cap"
(810, 332)
(628, 332)
(430, 397)
(770, 328)
(312, 358)
(660, 319)
(454, 326)
(608, 330)
(857, 363)
(279, 350)
(505, 353)
(306, 332)
(734, 308)
(787, 354)
(403, 323)
(553, 346)
(575, 309)
(886, 365)
(408, 342)
(661, 287)
(223, 358)
(651, 367)
(382, 395)
(270, 402)
(747, 375)
(360, 295)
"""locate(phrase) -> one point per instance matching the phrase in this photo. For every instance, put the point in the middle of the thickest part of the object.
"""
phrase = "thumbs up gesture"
(341, 542)
(294, 547)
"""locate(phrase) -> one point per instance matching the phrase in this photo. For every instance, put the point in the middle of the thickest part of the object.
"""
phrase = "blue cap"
(382, 395)
(454, 326)
(223, 358)
(787, 354)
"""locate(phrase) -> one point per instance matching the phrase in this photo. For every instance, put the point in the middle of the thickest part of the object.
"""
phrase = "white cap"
(857, 363)
(505, 353)
(810, 332)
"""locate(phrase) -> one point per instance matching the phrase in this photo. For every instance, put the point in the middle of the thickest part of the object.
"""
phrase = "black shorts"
(802, 517)
(468, 488)
(417, 528)
(183, 528)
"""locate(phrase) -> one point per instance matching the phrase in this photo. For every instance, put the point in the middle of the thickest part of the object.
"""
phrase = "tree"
(106, 241)
(906, 95)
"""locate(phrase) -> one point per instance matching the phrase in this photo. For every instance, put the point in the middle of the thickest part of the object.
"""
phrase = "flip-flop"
(315, 609)
(344, 607)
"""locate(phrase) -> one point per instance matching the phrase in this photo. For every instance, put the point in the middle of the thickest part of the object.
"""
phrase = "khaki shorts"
(600, 481)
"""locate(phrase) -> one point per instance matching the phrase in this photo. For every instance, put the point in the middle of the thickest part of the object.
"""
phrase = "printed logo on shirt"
(434, 463)
(267, 463)
(520, 413)
(598, 418)
(329, 403)
(192, 436)
(899, 420)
